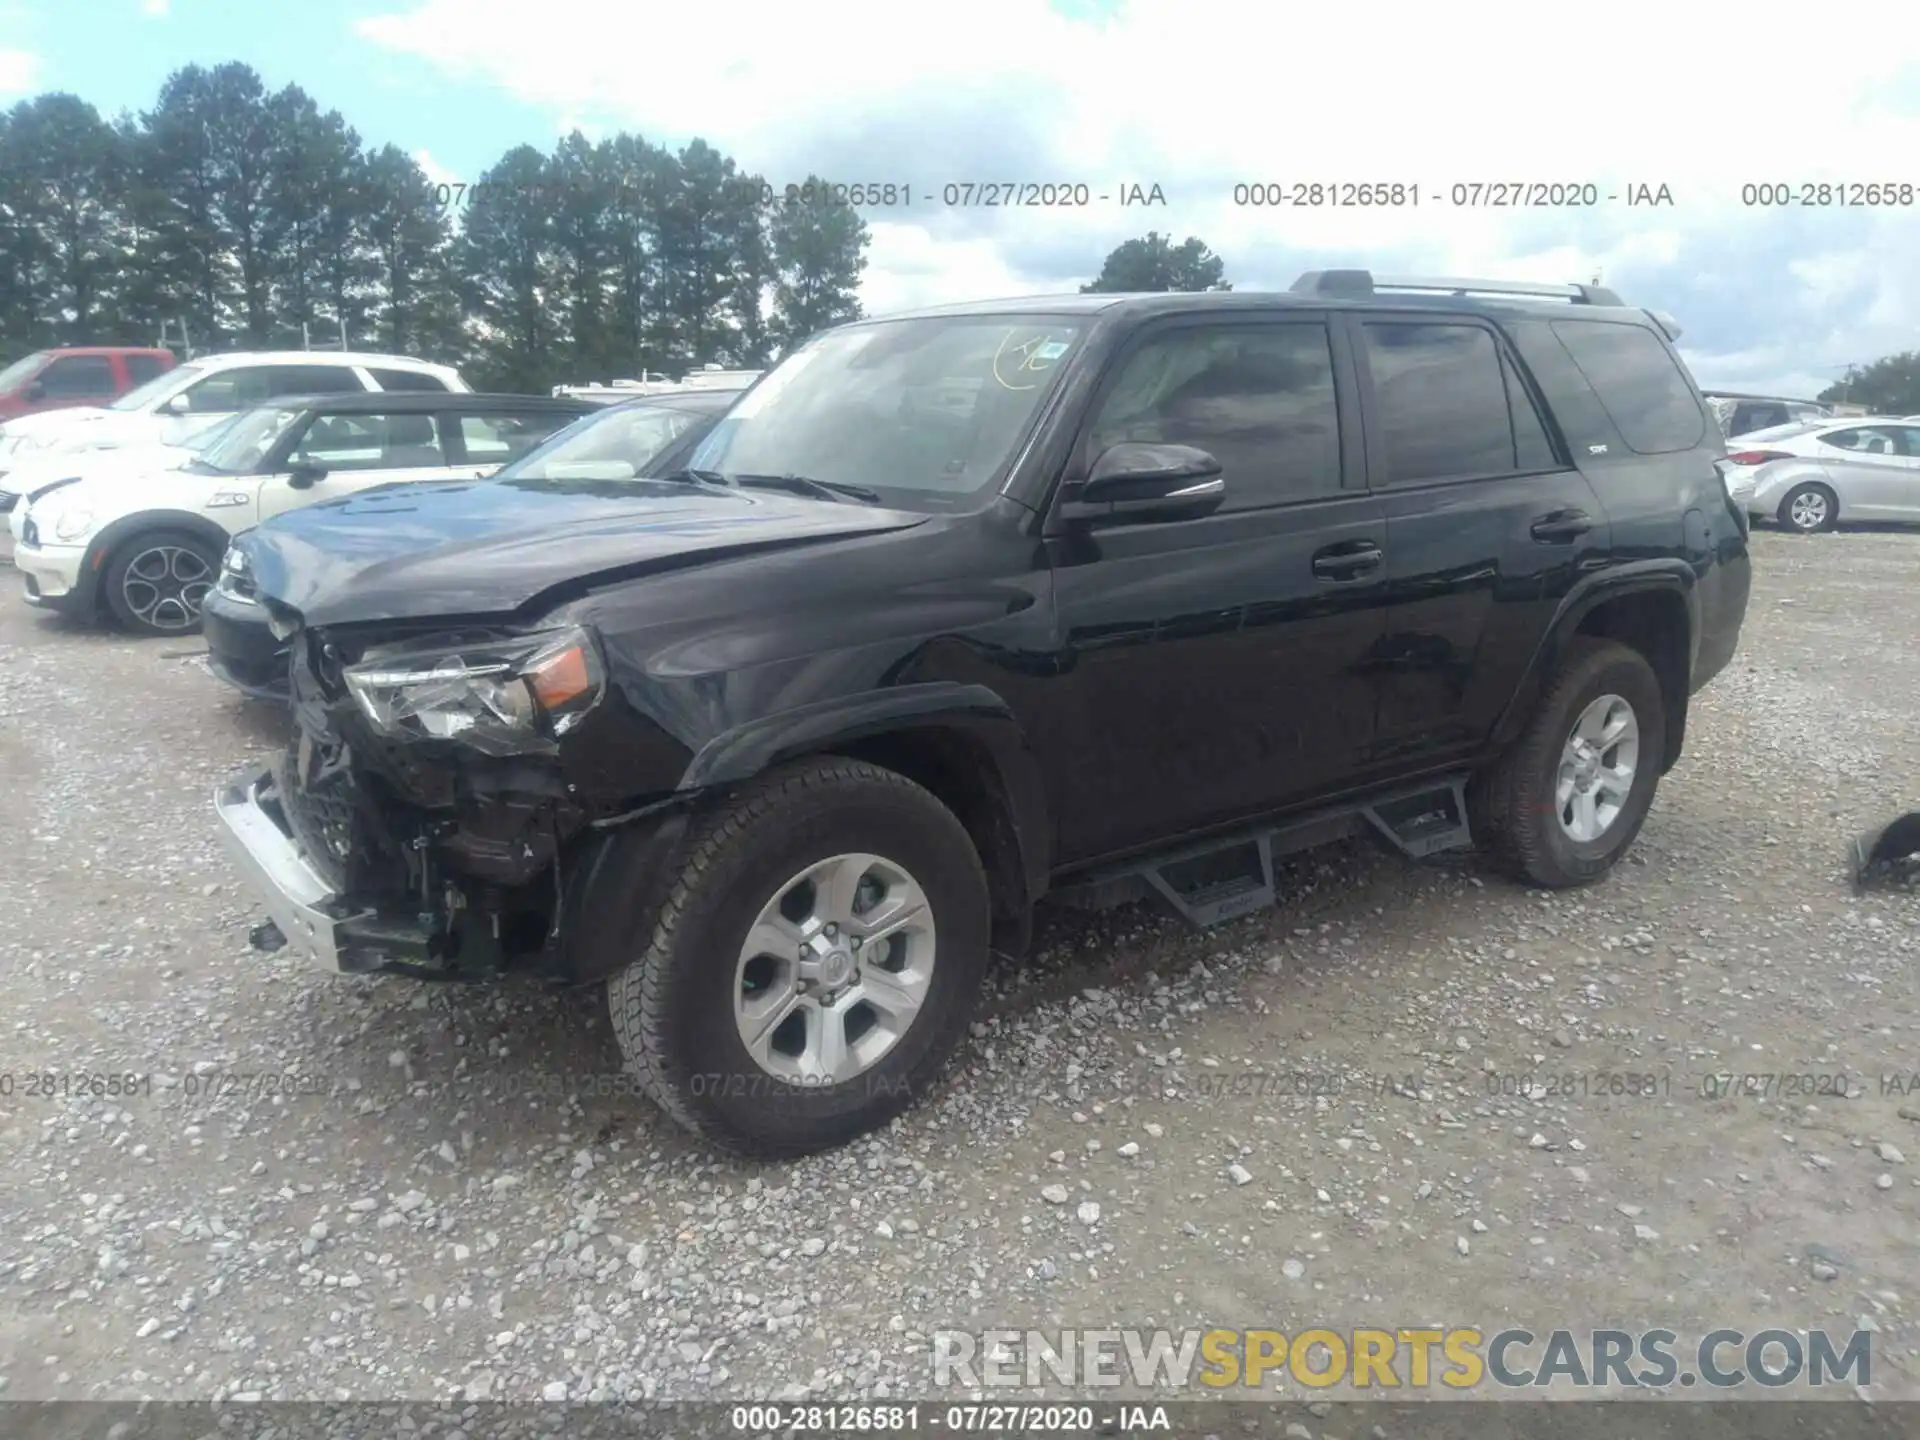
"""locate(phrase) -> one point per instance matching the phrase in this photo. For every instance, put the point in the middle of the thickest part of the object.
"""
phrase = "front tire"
(1562, 806)
(814, 964)
(1809, 509)
(156, 582)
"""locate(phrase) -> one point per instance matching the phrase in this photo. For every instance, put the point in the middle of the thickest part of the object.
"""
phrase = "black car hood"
(408, 552)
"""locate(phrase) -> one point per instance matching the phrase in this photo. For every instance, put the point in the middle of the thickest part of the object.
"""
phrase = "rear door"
(357, 452)
(1220, 663)
(1488, 526)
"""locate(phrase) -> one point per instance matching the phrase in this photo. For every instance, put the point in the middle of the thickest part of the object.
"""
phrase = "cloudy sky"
(1195, 96)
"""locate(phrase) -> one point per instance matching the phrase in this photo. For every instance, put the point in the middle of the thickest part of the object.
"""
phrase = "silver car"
(1813, 474)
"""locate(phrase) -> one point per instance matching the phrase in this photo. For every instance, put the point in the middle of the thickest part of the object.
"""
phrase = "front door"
(1218, 663)
(1876, 471)
(1487, 529)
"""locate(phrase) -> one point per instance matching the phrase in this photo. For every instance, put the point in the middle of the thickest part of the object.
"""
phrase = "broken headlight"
(509, 696)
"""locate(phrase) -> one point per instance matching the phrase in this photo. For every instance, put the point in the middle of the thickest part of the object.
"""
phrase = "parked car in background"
(77, 375)
(1816, 474)
(190, 397)
(1742, 414)
(43, 472)
(958, 607)
(639, 438)
(145, 546)
(710, 377)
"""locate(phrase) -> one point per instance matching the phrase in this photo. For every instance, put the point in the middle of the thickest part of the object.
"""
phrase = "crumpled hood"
(415, 551)
(78, 427)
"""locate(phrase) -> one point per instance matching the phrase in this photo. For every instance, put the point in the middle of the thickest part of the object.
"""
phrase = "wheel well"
(960, 772)
(1655, 623)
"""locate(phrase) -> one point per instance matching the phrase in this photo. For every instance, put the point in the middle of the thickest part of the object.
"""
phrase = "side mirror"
(301, 477)
(1147, 482)
(176, 406)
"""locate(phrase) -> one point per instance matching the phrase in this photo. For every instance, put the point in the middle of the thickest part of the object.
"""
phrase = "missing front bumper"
(308, 914)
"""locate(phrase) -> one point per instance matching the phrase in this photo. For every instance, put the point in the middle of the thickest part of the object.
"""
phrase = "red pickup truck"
(81, 375)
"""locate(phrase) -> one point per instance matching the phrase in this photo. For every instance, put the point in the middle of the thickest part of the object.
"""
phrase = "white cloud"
(1199, 94)
(436, 173)
(156, 8)
(19, 70)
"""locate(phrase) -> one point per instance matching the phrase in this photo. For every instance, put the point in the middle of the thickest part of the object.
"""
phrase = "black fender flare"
(1668, 575)
(975, 712)
(101, 548)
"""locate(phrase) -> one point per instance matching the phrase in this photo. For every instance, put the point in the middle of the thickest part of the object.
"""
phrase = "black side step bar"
(1229, 876)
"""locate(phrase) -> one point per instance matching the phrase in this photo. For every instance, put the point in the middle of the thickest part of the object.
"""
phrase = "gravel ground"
(448, 1200)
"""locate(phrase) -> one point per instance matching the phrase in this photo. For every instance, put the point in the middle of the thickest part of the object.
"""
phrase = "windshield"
(202, 441)
(926, 412)
(249, 437)
(606, 445)
(158, 388)
(21, 369)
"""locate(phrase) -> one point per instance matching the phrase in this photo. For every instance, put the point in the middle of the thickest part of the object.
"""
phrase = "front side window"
(314, 380)
(1640, 385)
(1441, 399)
(72, 377)
(142, 368)
(1259, 398)
(412, 380)
(370, 442)
(928, 412)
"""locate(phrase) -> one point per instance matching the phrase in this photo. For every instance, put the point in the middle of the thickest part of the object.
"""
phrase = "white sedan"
(1815, 474)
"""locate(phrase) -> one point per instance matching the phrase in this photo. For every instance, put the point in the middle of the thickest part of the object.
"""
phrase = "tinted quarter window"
(1442, 402)
(72, 376)
(314, 380)
(408, 380)
(1639, 382)
(1258, 398)
(142, 368)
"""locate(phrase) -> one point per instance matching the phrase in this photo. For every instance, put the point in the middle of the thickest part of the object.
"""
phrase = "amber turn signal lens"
(561, 677)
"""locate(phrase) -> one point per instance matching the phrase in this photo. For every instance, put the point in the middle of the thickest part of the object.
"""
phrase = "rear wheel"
(156, 582)
(813, 966)
(1563, 805)
(1809, 508)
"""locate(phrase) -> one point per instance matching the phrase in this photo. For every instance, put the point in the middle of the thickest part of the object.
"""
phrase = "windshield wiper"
(705, 477)
(807, 485)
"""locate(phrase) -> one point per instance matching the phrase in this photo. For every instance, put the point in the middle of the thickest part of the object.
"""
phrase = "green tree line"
(254, 218)
(1889, 386)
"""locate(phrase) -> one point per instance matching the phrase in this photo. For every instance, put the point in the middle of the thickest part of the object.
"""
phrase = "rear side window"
(71, 377)
(1441, 397)
(408, 380)
(1645, 392)
(142, 368)
(496, 439)
(314, 380)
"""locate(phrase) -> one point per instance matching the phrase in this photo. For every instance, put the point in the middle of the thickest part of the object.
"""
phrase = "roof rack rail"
(1358, 284)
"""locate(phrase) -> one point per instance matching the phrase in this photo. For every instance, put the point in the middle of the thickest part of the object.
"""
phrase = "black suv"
(956, 608)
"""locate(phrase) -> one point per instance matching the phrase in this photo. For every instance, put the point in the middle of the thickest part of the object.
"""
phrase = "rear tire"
(1557, 813)
(726, 955)
(1809, 509)
(156, 582)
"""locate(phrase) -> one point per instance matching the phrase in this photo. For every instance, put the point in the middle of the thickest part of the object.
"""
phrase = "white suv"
(188, 398)
(145, 545)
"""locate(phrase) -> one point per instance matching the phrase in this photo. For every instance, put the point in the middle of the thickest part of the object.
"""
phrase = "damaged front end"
(444, 808)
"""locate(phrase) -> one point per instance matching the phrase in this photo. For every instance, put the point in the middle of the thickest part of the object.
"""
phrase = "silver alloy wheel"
(834, 970)
(1808, 510)
(1597, 766)
(165, 585)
